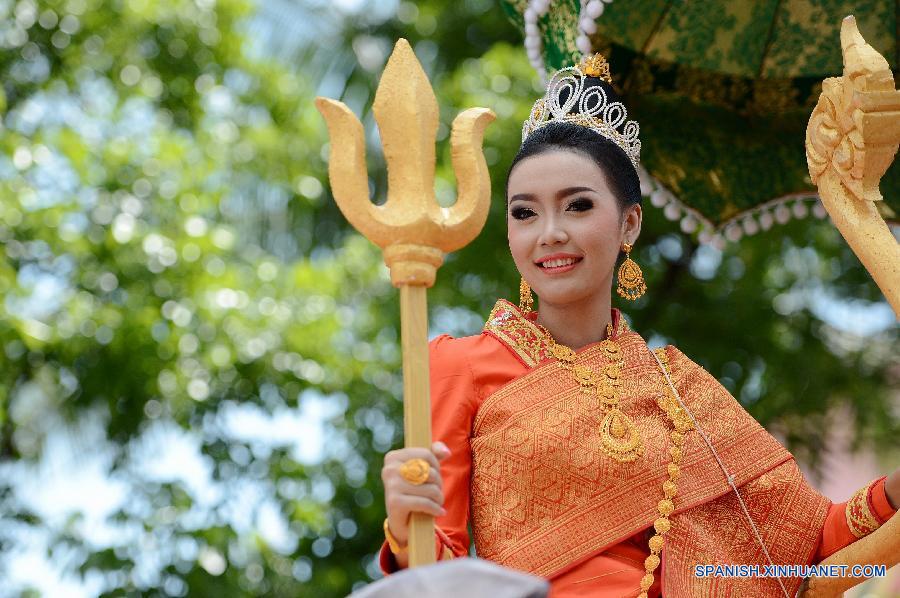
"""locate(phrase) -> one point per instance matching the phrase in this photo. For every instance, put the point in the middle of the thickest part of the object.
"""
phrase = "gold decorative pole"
(851, 140)
(412, 229)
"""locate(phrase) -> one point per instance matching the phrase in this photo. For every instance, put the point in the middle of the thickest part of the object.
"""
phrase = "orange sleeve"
(454, 401)
(848, 521)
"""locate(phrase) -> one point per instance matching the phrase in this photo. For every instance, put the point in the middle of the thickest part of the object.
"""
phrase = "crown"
(595, 111)
(595, 65)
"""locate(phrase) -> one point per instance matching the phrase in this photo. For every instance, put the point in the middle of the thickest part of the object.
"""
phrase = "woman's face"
(560, 206)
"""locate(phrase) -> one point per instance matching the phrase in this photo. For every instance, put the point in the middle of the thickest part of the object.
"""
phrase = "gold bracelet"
(860, 518)
(392, 541)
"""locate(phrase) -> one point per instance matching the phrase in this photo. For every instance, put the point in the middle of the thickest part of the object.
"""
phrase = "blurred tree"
(183, 300)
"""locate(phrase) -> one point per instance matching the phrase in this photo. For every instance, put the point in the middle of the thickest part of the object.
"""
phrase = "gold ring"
(415, 471)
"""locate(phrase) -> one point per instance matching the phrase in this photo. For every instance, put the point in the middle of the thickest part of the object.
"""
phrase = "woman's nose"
(552, 233)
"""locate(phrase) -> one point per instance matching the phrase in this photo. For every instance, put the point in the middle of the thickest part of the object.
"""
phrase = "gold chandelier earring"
(526, 299)
(631, 279)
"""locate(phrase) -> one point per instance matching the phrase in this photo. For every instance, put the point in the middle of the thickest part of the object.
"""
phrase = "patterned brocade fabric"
(545, 497)
(785, 509)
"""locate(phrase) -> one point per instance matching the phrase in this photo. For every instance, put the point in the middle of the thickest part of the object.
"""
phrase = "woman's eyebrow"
(559, 194)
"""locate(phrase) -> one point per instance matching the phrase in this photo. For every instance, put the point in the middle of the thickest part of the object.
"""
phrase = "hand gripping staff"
(412, 229)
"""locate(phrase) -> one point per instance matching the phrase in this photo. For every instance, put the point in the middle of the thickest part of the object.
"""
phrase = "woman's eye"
(521, 213)
(580, 205)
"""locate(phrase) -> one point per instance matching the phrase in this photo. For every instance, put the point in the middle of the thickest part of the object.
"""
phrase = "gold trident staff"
(851, 140)
(412, 229)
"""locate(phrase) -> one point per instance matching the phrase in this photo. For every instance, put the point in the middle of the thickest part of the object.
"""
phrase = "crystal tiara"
(595, 111)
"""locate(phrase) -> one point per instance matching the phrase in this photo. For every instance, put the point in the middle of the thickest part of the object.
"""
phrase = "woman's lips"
(559, 269)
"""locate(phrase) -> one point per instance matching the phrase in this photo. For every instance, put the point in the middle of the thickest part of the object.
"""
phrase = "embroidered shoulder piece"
(527, 340)
(517, 332)
(860, 518)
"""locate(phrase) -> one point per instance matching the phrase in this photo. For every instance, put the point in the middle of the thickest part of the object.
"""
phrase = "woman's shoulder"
(678, 362)
(446, 349)
(481, 357)
(447, 343)
(448, 346)
(640, 354)
(697, 386)
(688, 376)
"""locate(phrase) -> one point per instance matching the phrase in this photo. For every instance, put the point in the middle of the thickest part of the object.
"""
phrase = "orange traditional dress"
(529, 471)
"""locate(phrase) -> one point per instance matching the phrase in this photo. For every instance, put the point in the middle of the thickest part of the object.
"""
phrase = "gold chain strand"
(681, 423)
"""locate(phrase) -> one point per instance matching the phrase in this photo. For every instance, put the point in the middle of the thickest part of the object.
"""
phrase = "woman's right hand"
(402, 498)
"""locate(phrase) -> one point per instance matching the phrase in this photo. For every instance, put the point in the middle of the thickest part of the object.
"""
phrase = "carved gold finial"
(411, 227)
(845, 131)
(851, 140)
(595, 65)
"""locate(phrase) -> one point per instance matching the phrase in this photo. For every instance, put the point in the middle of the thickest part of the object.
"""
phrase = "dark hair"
(621, 176)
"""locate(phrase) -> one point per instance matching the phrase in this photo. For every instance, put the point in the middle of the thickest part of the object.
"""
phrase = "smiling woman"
(567, 221)
(574, 451)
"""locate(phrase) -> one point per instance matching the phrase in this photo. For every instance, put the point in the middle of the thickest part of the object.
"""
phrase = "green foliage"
(172, 263)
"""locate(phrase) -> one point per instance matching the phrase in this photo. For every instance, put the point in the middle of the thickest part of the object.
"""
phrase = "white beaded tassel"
(749, 225)
(658, 197)
(819, 210)
(536, 9)
(782, 214)
(672, 211)
(688, 224)
(718, 242)
(587, 23)
(733, 232)
(800, 210)
(645, 180)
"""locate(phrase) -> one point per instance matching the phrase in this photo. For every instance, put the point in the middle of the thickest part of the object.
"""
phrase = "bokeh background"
(200, 359)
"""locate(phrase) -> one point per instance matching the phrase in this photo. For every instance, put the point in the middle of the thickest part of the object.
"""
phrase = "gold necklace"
(620, 438)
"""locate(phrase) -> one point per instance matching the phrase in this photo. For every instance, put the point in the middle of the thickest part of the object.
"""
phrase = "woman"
(611, 469)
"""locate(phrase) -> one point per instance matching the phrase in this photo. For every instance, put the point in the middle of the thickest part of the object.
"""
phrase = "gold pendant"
(619, 437)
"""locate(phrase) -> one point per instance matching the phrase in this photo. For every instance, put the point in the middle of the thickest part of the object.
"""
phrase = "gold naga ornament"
(412, 229)
(851, 140)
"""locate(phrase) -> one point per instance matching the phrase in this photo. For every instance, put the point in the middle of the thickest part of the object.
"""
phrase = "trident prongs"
(411, 227)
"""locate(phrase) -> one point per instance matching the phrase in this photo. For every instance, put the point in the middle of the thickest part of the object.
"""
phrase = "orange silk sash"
(545, 497)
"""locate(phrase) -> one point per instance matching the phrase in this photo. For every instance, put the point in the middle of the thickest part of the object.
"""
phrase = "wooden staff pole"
(416, 414)
(412, 229)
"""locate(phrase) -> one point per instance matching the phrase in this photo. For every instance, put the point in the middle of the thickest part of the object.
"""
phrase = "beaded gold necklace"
(620, 438)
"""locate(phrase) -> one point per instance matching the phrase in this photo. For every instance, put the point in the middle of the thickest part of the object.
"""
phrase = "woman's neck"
(576, 325)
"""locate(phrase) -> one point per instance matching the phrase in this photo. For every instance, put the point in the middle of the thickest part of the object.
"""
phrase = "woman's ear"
(631, 226)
